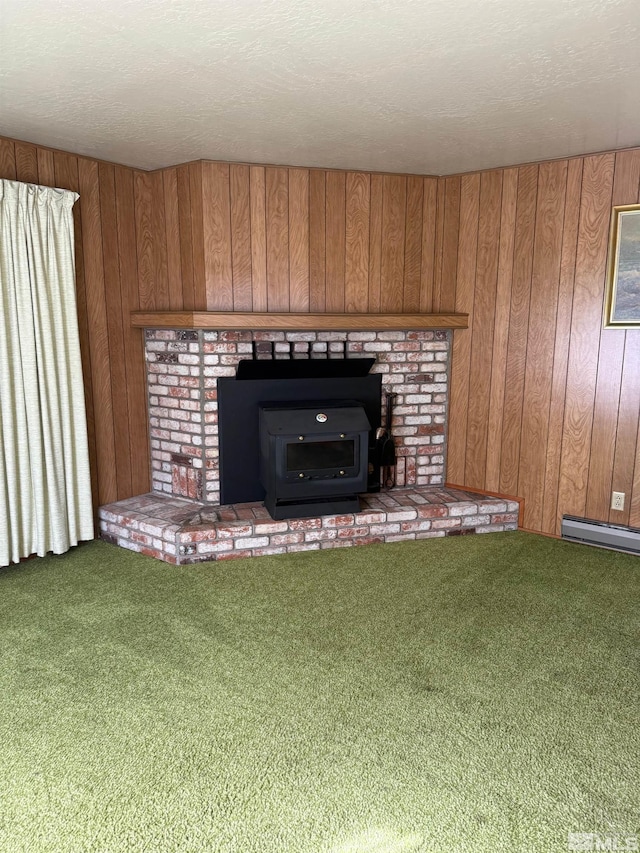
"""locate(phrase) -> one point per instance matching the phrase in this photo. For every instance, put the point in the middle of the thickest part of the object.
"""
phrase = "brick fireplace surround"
(181, 521)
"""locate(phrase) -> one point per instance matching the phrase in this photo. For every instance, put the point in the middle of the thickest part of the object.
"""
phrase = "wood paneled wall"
(107, 291)
(544, 401)
(230, 237)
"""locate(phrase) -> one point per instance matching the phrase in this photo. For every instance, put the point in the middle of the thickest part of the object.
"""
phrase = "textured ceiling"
(423, 86)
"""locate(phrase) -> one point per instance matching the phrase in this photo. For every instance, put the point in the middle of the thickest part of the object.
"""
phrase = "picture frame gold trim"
(613, 271)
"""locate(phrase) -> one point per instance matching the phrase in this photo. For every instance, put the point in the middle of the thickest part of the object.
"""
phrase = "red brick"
(384, 529)
(270, 527)
(406, 346)
(370, 517)
(321, 535)
(190, 534)
(287, 538)
(233, 531)
(413, 526)
(194, 483)
(337, 520)
(501, 518)
(268, 336)
(351, 532)
(227, 514)
(235, 336)
(402, 515)
(420, 378)
(433, 511)
(305, 523)
(445, 523)
(265, 552)
(190, 450)
(431, 429)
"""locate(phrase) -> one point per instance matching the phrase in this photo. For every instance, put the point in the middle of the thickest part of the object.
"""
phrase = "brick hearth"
(182, 531)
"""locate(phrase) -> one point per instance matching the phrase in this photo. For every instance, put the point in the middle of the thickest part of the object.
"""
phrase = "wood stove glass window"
(318, 455)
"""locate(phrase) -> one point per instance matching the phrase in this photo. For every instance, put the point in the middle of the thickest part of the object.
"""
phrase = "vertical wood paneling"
(552, 180)
(358, 205)
(335, 247)
(159, 243)
(483, 315)
(439, 242)
(257, 182)
(375, 244)
(88, 187)
(550, 516)
(8, 159)
(627, 448)
(277, 239)
(445, 294)
(26, 162)
(595, 212)
(144, 239)
(518, 328)
(136, 388)
(394, 200)
(634, 509)
(186, 238)
(197, 236)
(461, 354)
(175, 296)
(115, 331)
(501, 328)
(217, 236)
(46, 168)
(427, 261)
(562, 419)
(298, 240)
(317, 240)
(608, 404)
(413, 245)
(241, 237)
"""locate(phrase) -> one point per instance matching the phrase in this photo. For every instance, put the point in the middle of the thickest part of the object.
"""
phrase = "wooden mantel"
(231, 320)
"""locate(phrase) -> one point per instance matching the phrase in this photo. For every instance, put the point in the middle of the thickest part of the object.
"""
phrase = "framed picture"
(622, 304)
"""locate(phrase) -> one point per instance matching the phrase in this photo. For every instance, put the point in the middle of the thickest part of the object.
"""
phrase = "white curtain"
(45, 487)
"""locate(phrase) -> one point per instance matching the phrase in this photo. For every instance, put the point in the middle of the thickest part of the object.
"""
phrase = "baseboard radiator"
(600, 533)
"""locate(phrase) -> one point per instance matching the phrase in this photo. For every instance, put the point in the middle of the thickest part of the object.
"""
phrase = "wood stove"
(314, 457)
(299, 435)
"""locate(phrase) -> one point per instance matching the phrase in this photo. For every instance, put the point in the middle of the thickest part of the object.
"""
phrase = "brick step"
(183, 531)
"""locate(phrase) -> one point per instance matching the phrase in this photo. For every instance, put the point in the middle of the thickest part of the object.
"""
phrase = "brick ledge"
(181, 531)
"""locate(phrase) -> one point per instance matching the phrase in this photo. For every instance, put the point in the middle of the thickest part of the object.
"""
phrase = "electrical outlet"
(617, 500)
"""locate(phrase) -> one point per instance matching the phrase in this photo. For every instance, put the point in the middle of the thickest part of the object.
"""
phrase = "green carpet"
(473, 694)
